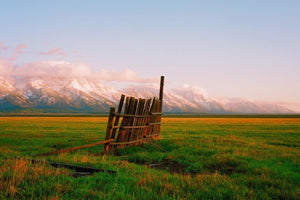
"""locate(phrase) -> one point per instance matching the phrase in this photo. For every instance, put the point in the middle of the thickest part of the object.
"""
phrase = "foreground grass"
(206, 158)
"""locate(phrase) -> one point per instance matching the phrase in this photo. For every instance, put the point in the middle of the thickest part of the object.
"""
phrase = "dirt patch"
(227, 167)
(290, 144)
(169, 165)
(166, 165)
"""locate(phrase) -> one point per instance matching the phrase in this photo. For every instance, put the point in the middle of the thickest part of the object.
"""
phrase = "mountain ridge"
(83, 95)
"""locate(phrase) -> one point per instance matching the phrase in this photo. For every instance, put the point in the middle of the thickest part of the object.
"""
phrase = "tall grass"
(206, 158)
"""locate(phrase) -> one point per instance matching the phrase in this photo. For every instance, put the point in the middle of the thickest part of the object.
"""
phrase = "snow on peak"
(193, 93)
(38, 83)
(184, 99)
(7, 83)
(81, 85)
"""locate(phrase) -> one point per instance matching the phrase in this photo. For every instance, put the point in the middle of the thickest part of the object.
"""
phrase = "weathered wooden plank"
(154, 123)
(126, 143)
(118, 116)
(151, 120)
(136, 116)
(137, 122)
(131, 120)
(130, 127)
(141, 120)
(109, 127)
(146, 120)
(110, 123)
(126, 109)
(158, 119)
(75, 148)
(156, 108)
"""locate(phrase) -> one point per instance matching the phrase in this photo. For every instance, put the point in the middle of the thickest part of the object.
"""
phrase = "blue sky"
(244, 49)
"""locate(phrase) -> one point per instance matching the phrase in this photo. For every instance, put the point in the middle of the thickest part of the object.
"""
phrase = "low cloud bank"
(6, 68)
(69, 70)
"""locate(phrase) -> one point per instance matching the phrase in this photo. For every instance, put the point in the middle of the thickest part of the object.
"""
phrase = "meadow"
(195, 158)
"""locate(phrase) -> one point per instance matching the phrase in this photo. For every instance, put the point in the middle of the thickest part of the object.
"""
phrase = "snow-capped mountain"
(240, 105)
(57, 94)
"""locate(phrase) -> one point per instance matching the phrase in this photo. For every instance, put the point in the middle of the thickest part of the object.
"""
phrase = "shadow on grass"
(226, 165)
(173, 162)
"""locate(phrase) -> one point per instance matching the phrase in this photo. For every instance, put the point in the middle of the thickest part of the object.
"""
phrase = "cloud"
(53, 68)
(13, 57)
(20, 47)
(65, 69)
(55, 51)
(6, 67)
(2, 48)
(19, 50)
(126, 75)
(196, 90)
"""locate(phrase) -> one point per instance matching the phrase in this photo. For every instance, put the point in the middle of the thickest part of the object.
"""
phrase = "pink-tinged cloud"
(61, 69)
(6, 67)
(13, 57)
(55, 51)
(126, 75)
(65, 69)
(2, 48)
(18, 51)
(20, 47)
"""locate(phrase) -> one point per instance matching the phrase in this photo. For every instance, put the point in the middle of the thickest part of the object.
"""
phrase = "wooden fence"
(132, 124)
(136, 122)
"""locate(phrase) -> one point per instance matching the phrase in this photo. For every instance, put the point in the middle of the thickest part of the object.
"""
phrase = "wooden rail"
(74, 148)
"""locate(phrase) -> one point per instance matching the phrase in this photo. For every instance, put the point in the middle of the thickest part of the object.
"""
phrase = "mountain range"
(82, 95)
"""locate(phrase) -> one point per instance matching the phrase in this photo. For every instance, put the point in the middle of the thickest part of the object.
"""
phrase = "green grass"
(206, 158)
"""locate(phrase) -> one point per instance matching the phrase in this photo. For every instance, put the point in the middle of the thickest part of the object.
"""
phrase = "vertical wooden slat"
(126, 120)
(134, 121)
(138, 120)
(131, 120)
(156, 109)
(152, 118)
(158, 118)
(146, 120)
(127, 105)
(121, 131)
(141, 120)
(109, 126)
(118, 117)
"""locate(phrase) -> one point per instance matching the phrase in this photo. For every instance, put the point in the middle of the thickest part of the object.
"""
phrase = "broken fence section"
(140, 120)
(133, 123)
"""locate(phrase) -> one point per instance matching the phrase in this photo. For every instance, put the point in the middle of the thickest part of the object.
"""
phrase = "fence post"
(109, 126)
(161, 91)
(161, 95)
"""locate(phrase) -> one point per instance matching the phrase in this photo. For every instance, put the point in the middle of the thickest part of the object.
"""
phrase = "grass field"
(206, 158)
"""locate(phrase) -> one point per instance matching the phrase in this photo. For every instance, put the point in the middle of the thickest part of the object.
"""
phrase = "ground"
(199, 158)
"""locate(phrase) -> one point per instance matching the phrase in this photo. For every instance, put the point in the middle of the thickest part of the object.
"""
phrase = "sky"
(247, 49)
